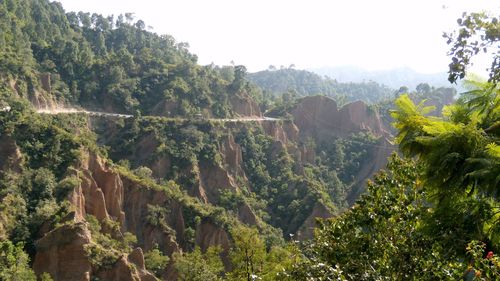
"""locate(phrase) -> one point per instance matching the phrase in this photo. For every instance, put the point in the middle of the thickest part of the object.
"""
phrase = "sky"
(374, 35)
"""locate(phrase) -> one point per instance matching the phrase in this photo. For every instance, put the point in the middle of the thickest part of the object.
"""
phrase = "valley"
(123, 158)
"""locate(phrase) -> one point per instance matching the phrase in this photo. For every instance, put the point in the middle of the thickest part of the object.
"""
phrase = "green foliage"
(347, 155)
(107, 245)
(247, 255)
(14, 263)
(198, 266)
(33, 191)
(289, 197)
(156, 261)
(98, 62)
(230, 200)
(157, 216)
(53, 148)
(65, 187)
(45, 277)
(183, 143)
(478, 32)
(251, 261)
(483, 267)
(384, 236)
(457, 151)
(301, 83)
(143, 172)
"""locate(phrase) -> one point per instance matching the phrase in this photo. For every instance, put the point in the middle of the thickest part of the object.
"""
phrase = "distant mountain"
(394, 78)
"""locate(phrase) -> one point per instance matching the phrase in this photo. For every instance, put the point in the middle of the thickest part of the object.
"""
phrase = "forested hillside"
(107, 63)
(299, 83)
(100, 197)
(195, 184)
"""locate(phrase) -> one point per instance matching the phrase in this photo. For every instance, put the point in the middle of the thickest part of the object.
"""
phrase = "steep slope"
(217, 162)
(271, 174)
(318, 117)
(88, 196)
(107, 64)
(81, 211)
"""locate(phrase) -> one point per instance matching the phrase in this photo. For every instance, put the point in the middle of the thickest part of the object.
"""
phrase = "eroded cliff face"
(233, 157)
(128, 268)
(39, 92)
(61, 253)
(281, 131)
(10, 155)
(108, 195)
(243, 105)
(208, 234)
(381, 153)
(100, 193)
(320, 118)
(10, 160)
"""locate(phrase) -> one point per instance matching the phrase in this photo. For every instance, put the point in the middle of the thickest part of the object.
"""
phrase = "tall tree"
(248, 254)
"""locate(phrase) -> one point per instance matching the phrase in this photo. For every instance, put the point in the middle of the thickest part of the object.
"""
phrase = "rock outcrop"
(61, 253)
(10, 155)
(233, 157)
(246, 215)
(208, 234)
(284, 131)
(128, 268)
(214, 179)
(111, 195)
(306, 231)
(105, 194)
(320, 118)
(244, 105)
(136, 201)
(46, 82)
(38, 93)
(100, 193)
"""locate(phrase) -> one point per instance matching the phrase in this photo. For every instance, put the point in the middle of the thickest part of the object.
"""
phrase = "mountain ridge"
(393, 78)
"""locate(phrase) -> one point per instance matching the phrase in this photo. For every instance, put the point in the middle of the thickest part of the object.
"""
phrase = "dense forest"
(299, 83)
(197, 185)
(84, 56)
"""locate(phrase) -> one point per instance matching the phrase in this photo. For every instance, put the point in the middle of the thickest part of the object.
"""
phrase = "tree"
(383, 237)
(478, 33)
(155, 261)
(240, 72)
(457, 149)
(14, 263)
(140, 25)
(460, 154)
(423, 88)
(248, 253)
(198, 266)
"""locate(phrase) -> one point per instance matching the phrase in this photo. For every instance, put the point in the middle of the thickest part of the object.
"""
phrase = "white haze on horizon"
(373, 35)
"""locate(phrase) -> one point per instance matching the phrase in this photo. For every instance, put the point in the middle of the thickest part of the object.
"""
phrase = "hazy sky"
(372, 34)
